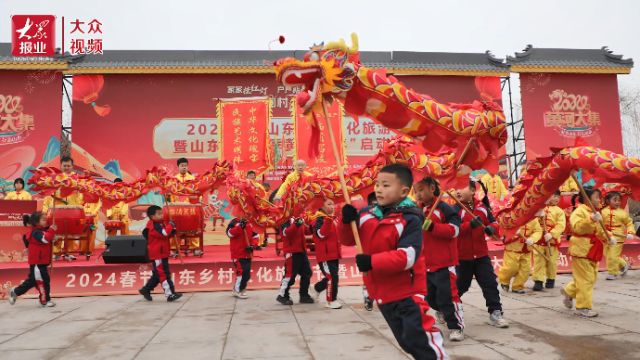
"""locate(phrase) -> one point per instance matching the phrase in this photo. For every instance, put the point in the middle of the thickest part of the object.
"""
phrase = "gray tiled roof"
(264, 59)
(596, 58)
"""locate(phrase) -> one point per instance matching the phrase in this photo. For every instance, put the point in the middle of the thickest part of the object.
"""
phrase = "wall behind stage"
(30, 113)
(559, 108)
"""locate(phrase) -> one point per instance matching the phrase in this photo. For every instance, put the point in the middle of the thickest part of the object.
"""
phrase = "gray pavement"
(217, 326)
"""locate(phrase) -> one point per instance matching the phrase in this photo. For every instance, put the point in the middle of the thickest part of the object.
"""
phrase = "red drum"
(113, 225)
(70, 220)
(188, 217)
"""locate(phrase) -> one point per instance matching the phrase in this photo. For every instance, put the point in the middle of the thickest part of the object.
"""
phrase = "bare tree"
(630, 117)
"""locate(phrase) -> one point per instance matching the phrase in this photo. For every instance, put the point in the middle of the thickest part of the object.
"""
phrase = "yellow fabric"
(22, 195)
(585, 273)
(615, 262)
(531, 230)
(291, 178)
(75, 198)
(618, 222)
(582, 227)
(494, 185)
(186, 199)
(543, 269)
(556, 222)
(517, 266)
(569, 186)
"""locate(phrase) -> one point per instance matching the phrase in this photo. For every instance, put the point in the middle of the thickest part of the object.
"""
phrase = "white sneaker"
(440, 317)
(611, 277)
(456, 335)
(12, 296)
(197, 252)
(49, 304)
(588, 313)
(334, 305)
(625, 269)
(567, 301)
(69, 257)
(243, 295)
(316, 294)
(496, 319)
(234, 293)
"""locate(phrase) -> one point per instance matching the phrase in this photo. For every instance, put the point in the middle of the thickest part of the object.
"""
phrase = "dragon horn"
(354, 43)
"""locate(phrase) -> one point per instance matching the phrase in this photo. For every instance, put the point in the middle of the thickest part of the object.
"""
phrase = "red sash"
(597, 249)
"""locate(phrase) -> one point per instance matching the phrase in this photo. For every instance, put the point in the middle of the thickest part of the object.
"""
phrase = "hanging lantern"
(86, 88)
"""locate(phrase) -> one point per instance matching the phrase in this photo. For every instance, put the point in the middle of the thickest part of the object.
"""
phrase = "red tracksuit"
(441, 257)
(39, 246)
(328, 254)
(240, 240)
(473, 254)
(158, 237)
(392, 236)
(296, 261)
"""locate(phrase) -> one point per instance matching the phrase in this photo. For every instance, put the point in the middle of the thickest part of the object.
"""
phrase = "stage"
(212, 272)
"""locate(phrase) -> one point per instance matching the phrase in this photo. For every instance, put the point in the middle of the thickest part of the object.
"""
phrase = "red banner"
(244, 137)
(30, 108)
(325, 163)
(559, 108)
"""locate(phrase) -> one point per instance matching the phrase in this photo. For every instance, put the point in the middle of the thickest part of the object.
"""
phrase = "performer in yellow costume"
(619, 223)
(62, 248)
(299, 170)
(494, 185)
(119, 212)
(586, 249)
(184, 175)
(91, 209)
(516, 261)
(553, 224)
(20, 193)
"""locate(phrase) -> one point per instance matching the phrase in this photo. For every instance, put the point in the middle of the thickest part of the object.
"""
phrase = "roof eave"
(517, 68)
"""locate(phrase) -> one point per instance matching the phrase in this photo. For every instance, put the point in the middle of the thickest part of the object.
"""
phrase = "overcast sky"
(459, 26)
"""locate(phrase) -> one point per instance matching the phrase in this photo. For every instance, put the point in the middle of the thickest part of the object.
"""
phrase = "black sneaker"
(146, 294)
(306, 299)
(550, 284)
(174, 297)
(284, 300)
(537, 286)
(368, 305)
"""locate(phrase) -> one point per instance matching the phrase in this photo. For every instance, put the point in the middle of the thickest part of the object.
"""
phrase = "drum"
(70, 220)
(113, 225)
(188, 217)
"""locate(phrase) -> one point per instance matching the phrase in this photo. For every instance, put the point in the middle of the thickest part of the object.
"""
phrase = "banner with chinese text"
(30, 122)
(325, 163)
(244, 125)
(559, 108)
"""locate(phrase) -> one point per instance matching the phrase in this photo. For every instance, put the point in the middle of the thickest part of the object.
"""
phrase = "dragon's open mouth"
(310, 78)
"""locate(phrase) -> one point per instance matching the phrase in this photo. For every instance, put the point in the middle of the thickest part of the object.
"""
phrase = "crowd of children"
(415, 254)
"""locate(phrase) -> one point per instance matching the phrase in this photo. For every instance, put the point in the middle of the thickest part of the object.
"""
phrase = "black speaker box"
(125, 249)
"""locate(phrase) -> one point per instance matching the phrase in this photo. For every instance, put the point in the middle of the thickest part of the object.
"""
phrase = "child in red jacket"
(38, 243)
(473, 252)
(296, 262)
(392, 259)
(242, 241)
(158, 234)
(440, 252)
(328, 252)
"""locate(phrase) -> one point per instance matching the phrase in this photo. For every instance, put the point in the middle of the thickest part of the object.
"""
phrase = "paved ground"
(215, 325)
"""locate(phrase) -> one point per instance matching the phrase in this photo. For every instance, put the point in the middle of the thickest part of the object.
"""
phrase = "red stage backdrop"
(325, 163)
(30, 108)
(558, 108)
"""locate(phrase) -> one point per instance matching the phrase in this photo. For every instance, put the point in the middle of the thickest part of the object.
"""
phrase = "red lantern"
(86, 88)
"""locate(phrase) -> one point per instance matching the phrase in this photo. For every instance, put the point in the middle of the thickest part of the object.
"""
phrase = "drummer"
(63, 248)
(91, 210)
(185, 175)
(20, 193)
(119, 212)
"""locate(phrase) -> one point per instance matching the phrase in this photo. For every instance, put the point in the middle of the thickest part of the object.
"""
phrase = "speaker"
(125, 249)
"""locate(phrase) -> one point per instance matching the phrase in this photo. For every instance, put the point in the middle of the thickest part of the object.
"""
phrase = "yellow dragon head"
(326, 69)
